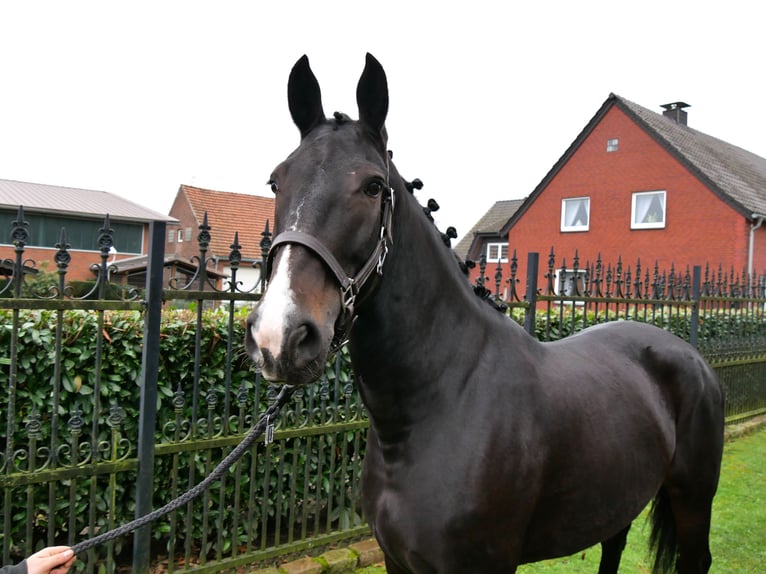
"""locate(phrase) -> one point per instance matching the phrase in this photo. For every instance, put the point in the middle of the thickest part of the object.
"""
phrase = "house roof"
(736, 175)
(43, 198)
(489, 225)
(229, 213)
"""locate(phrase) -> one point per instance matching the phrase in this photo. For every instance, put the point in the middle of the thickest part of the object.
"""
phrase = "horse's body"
(487, 449)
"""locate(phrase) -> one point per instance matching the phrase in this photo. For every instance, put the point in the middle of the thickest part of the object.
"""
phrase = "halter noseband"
(350, 287)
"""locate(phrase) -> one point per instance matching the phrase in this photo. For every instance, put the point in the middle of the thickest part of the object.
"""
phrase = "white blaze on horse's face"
(275, 307)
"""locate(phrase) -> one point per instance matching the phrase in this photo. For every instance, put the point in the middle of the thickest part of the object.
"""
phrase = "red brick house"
(81, 212)
(228, 214)
(640, 185)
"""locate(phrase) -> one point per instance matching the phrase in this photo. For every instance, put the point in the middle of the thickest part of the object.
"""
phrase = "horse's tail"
(663, 540)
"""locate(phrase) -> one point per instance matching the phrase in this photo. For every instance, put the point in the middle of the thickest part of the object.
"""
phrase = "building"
(229, 216)
(638, 185)
(80, 214)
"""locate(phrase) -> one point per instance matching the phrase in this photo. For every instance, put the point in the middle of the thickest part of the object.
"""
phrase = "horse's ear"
(372, 96)
(304, 97)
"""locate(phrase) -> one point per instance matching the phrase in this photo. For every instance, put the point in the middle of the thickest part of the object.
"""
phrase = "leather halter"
(350, 287)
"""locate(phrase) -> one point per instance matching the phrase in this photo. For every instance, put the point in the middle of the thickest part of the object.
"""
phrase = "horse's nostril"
(304, 344)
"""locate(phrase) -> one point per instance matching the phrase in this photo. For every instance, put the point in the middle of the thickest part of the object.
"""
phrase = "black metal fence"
(117, 400)
(722, 313)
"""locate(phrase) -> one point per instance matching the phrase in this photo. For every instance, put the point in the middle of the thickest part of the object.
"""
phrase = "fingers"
(64, 568)
(46, 560)
(51, 551)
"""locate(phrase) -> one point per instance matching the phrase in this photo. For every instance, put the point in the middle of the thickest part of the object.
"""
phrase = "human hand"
(51, 560)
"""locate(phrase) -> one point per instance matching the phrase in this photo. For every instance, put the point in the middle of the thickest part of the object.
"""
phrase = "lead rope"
(264, 424)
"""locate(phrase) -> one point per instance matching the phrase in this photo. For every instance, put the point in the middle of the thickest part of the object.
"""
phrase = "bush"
(181, 406)
(115, 408)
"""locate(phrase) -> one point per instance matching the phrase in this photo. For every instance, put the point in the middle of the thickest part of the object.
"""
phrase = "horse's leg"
(611, 552)
(692, 517)
(693, 479)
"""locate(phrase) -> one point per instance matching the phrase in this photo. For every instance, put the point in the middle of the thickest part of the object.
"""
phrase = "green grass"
(738, 533)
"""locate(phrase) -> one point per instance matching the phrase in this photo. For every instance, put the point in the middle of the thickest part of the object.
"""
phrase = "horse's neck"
(421, 319)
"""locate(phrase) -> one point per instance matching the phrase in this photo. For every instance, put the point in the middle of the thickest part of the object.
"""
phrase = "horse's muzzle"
(293, 352)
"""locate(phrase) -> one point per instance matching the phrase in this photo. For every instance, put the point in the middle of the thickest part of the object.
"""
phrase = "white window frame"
(560, 287)
(502, 248)
(180, 236)
(634, 214)
(567, 228)
(612, 145)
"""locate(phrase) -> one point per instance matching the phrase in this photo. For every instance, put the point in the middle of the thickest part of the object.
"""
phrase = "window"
(188, 236)
(575, 214)
(647, 210)
(82, 234)
(497, 252)
(570, 283)
(612, 145)
(171, 235)
(180, 236)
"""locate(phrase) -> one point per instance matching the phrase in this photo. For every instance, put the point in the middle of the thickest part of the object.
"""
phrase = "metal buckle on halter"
(346, 319)
(348, 296)
(382, 258)
(385, 232)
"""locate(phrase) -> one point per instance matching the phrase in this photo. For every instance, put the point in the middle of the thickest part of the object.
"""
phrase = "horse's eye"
(374, 188)
(273, 184)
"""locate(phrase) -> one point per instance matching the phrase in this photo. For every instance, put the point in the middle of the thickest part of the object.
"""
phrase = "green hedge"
(120, 368)
(120, 361)
(119, 371)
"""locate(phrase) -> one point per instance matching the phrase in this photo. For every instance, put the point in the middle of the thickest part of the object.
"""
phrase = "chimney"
(675, 112)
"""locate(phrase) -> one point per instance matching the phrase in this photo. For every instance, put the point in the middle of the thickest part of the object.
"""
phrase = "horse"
(487, 449)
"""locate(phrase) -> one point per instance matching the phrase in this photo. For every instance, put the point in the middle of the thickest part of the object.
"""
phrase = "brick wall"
(79, 266)
(182, 211)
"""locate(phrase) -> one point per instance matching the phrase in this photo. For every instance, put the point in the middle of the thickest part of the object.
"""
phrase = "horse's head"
(331, 227)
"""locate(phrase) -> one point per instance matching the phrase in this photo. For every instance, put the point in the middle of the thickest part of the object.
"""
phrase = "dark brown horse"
(487, 449)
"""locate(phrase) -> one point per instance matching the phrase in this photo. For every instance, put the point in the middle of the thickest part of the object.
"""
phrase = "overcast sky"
(137, 98)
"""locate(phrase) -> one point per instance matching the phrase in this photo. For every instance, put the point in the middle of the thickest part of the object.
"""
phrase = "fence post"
(696, 293)
(148, 381)
(533, 260)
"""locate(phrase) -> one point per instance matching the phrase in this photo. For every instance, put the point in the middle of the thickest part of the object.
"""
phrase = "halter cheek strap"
(349, 286)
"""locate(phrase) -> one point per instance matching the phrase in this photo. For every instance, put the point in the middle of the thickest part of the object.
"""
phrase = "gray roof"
(491, 223)
(737, 175)
(39, 197)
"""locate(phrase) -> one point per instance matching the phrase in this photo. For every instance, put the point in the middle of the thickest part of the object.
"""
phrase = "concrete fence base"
(339, 561)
